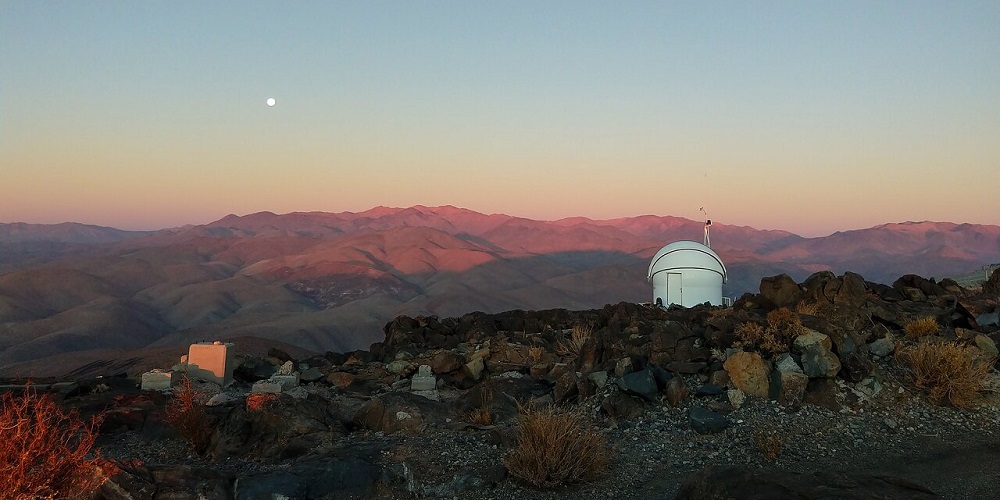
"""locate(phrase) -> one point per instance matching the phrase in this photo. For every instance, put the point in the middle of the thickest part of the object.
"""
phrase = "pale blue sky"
(807, 116)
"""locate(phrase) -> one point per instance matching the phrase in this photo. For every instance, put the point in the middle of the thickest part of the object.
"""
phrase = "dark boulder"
(853, 291)
(400, 412)
(641, 383)
(705, 421)
(566, 388)
(779, 291)
(446, 361)
(284, 428)
(622, 406)
(912, 281)
(253, 369)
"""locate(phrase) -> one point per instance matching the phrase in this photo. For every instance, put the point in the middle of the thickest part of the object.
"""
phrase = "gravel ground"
(953, 452)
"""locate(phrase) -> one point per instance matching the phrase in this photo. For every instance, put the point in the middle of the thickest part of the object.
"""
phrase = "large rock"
(882, 347)
(705, 421)
(780, 291)
(906, 283)
(817, 358)
(676, 391)
(286, 428)
(989, 319)
(622, 406)
(826, 393)
(400, 412)
(340, 380)
(749, 373)
(788, 387)
(641, 383)
(666, 334)
(730, 481)
(446, 362)
(853, 291)
(565, 388)
(986, 345)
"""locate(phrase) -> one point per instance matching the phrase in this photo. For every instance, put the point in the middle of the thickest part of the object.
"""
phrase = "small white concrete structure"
(687, 273)
(423, 380)
(285, 381)
(156, 380)
(212, 361)
(266, 387)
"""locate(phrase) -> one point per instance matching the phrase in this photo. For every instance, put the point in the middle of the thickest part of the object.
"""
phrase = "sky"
(807, 116)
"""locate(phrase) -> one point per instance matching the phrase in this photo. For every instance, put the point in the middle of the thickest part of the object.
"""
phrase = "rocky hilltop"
(802, 390)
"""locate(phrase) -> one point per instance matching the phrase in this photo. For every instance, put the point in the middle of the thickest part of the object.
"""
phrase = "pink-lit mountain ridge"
(330, 281)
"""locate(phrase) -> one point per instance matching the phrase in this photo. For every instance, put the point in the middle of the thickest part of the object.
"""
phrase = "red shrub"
(44, 449)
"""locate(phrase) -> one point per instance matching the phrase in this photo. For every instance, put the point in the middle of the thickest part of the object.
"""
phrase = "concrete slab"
(156, 380)
(285, 381)
(266, 388)
(212, 361)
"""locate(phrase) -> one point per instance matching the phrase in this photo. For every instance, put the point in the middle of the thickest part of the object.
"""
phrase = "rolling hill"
(330, 281)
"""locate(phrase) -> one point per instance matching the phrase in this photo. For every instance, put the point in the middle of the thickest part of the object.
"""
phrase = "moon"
(271, 102)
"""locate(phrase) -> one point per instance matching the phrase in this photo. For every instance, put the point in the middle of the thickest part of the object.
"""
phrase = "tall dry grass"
(573, 346)
(923, 327)
(556, 447)
(950, 373)
(483, 414)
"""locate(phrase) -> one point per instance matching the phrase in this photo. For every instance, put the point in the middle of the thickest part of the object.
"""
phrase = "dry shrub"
(573, 346)
(483, 414)
(769, 443)
(749, 334)
(259, 400)
(536, 354)
(950, 373)
(810, 308)
(783, 326)
(186, 414)
(556, 446)
(44, 450)
(922, 327)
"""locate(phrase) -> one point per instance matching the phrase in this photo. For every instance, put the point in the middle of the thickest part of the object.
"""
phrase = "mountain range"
(330, 281)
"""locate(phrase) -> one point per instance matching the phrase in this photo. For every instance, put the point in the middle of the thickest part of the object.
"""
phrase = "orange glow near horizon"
(787, 119)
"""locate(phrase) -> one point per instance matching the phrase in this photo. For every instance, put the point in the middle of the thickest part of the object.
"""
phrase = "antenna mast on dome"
(708, 228)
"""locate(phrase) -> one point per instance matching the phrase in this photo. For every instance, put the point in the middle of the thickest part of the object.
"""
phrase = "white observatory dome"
(687, 273)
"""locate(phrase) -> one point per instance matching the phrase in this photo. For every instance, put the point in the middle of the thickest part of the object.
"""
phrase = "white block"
(156, 380)
(285, 381)
(419, 383)
(266, 388)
